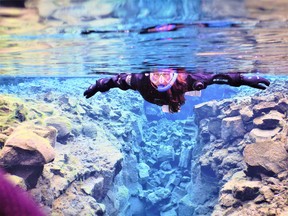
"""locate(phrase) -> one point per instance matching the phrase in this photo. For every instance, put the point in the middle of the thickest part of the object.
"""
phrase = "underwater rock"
(89, 130)
(236, 192)
(3, 138)
(93, 186)
(130, 174)
(50, 133)
(246, 114)
(82, 172)
(218, 155)
(214, 126)
(152, 113)
(205, 110)
(246, 190)
(143, 171)
(264, 107)
(158, 195)
(165, 166)
(232, 128)
(12, 112)
(258, 135)
(207, 168)
(229, 107)
(120, 197)
(227, 200)
(105, 109)
(268, 158)
(21, 145)
(69, 183)
(25, 153)
(250, 123)
(174, 181)
(178, 193)
(185, 157)
(46, 132)
(231, 163)
(165, 153)
(136, 207)
(171, 212)
(267, 193)
(269, 121)
(228, 188)
(186, 207)
(62, 125)
(204, 133)
(282, 105)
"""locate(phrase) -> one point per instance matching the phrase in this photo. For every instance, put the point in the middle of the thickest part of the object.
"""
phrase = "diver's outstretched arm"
(121, 81)
(232, 79)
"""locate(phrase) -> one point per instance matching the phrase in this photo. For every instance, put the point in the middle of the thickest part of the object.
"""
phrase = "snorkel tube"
(163, 88)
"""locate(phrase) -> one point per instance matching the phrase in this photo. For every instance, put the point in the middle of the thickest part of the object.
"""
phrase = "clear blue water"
(43, 55)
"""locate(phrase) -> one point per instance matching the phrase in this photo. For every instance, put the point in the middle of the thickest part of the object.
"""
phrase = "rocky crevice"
(228, 159)
(248, 149)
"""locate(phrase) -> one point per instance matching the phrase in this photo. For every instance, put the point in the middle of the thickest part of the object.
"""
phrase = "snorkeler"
(176, 26)
(171, 27)
(167, 87)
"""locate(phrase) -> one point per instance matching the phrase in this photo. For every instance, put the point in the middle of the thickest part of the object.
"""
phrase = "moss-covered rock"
(12, 111)
(25, 147)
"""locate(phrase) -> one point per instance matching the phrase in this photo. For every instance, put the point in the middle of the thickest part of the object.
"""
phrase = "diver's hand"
(255, 82)
(91, 91)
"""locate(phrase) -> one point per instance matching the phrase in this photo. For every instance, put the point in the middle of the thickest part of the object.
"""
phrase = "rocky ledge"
(42, 151)
(242, 150)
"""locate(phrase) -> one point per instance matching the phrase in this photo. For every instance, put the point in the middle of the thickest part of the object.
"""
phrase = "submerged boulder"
(268, 158)
(246, 190)
(143, 171)
(264, 107)
(63, 126)
(166, 153)
(214, 125)
(232, 128)
(205, 110)
(246, 113)
(158, 195)
(26, 148)
(25, 152)
(259, 135)
(269, 121)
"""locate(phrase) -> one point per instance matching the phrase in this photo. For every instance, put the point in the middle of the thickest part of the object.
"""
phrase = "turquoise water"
(120, 154)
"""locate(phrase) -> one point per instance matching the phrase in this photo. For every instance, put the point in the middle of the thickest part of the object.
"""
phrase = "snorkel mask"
(163, 79)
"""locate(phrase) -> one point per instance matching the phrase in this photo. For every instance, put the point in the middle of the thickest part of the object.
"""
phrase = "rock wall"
(67, 162)
(241, 154)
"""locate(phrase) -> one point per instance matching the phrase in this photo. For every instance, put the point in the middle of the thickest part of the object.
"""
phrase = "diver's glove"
(91, 91)
(255, 82)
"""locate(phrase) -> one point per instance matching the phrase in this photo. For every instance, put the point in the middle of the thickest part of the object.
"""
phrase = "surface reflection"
(44, 38)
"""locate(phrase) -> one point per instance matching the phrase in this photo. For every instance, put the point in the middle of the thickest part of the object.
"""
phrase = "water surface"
(45, 40)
